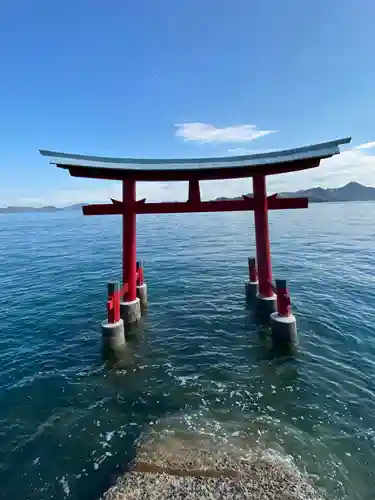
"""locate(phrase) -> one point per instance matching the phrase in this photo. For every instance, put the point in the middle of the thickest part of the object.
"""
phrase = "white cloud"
(350, 165)
(204, 132)
(366, 145)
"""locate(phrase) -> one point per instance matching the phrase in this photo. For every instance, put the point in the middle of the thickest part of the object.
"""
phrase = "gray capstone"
(284, 330)
(266, 305)
(251, 291)
(130, 311)
(113, 334)
(142, 295)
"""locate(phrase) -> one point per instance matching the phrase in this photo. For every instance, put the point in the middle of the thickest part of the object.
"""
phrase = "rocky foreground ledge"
(171, 469)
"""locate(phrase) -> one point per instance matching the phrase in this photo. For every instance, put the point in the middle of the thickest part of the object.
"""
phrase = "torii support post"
(130, 306)
(141, 287)
(283, 323)
(252, 284)
(266, 299)
(113, 327)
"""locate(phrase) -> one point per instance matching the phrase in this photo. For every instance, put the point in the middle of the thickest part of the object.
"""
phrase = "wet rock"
(170, 467)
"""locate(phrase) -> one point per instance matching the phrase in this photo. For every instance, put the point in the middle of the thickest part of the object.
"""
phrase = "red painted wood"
(262, 236)
(129, 239)
(110, 311)
(139, 274)
(113, 307)
(283, 299)
(194, 192)
(188, 207)
(253, 276)
(116, 307)
(186, 174)
(124, 290)
(287, 203)
(102, 209)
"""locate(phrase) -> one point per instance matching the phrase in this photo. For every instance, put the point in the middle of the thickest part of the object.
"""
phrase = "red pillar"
(262, 236)
(129, 240)
(194, 192)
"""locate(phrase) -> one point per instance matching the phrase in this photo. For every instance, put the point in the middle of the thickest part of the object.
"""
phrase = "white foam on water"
(185, 380)
(109, 435)
(65, 486)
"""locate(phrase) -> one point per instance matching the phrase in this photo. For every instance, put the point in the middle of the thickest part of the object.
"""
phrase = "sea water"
(200, 363)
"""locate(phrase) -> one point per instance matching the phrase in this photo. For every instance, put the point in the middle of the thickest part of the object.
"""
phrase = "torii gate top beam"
(188, 169)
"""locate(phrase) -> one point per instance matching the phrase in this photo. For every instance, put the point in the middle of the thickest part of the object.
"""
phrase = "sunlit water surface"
(201, 364)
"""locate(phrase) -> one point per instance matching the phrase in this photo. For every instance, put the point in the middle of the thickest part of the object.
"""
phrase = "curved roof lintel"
(103, 167)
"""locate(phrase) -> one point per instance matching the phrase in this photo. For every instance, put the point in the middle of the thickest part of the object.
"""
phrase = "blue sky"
(168, 77)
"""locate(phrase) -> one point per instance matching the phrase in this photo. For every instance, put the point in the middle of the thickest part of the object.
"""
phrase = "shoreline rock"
(170, 468)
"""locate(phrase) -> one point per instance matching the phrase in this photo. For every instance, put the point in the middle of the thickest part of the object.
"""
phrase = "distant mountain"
(351, 192)
(16, 210)
(50, 208)
(77, 206)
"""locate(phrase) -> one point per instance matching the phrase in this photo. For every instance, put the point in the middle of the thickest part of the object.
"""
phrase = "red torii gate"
(130, 171)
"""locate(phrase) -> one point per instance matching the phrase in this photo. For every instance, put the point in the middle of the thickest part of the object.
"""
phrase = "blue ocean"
(70, 419)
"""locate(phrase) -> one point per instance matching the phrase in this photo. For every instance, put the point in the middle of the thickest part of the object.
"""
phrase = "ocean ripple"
(69, 420)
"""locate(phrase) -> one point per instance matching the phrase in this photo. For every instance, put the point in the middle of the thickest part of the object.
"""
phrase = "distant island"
(49, 208)
(350, 192)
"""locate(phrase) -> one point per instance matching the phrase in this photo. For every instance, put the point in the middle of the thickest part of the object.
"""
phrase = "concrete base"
(113, 335)
(251, 291)
(130, 311)
(284, 331)
(266, 305)
(142, 295)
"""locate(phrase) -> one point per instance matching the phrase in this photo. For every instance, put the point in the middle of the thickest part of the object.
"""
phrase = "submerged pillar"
(141, 286)
(252, 284)
(266, 299)
(130, 306)
(113, 331)
(283, 323)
